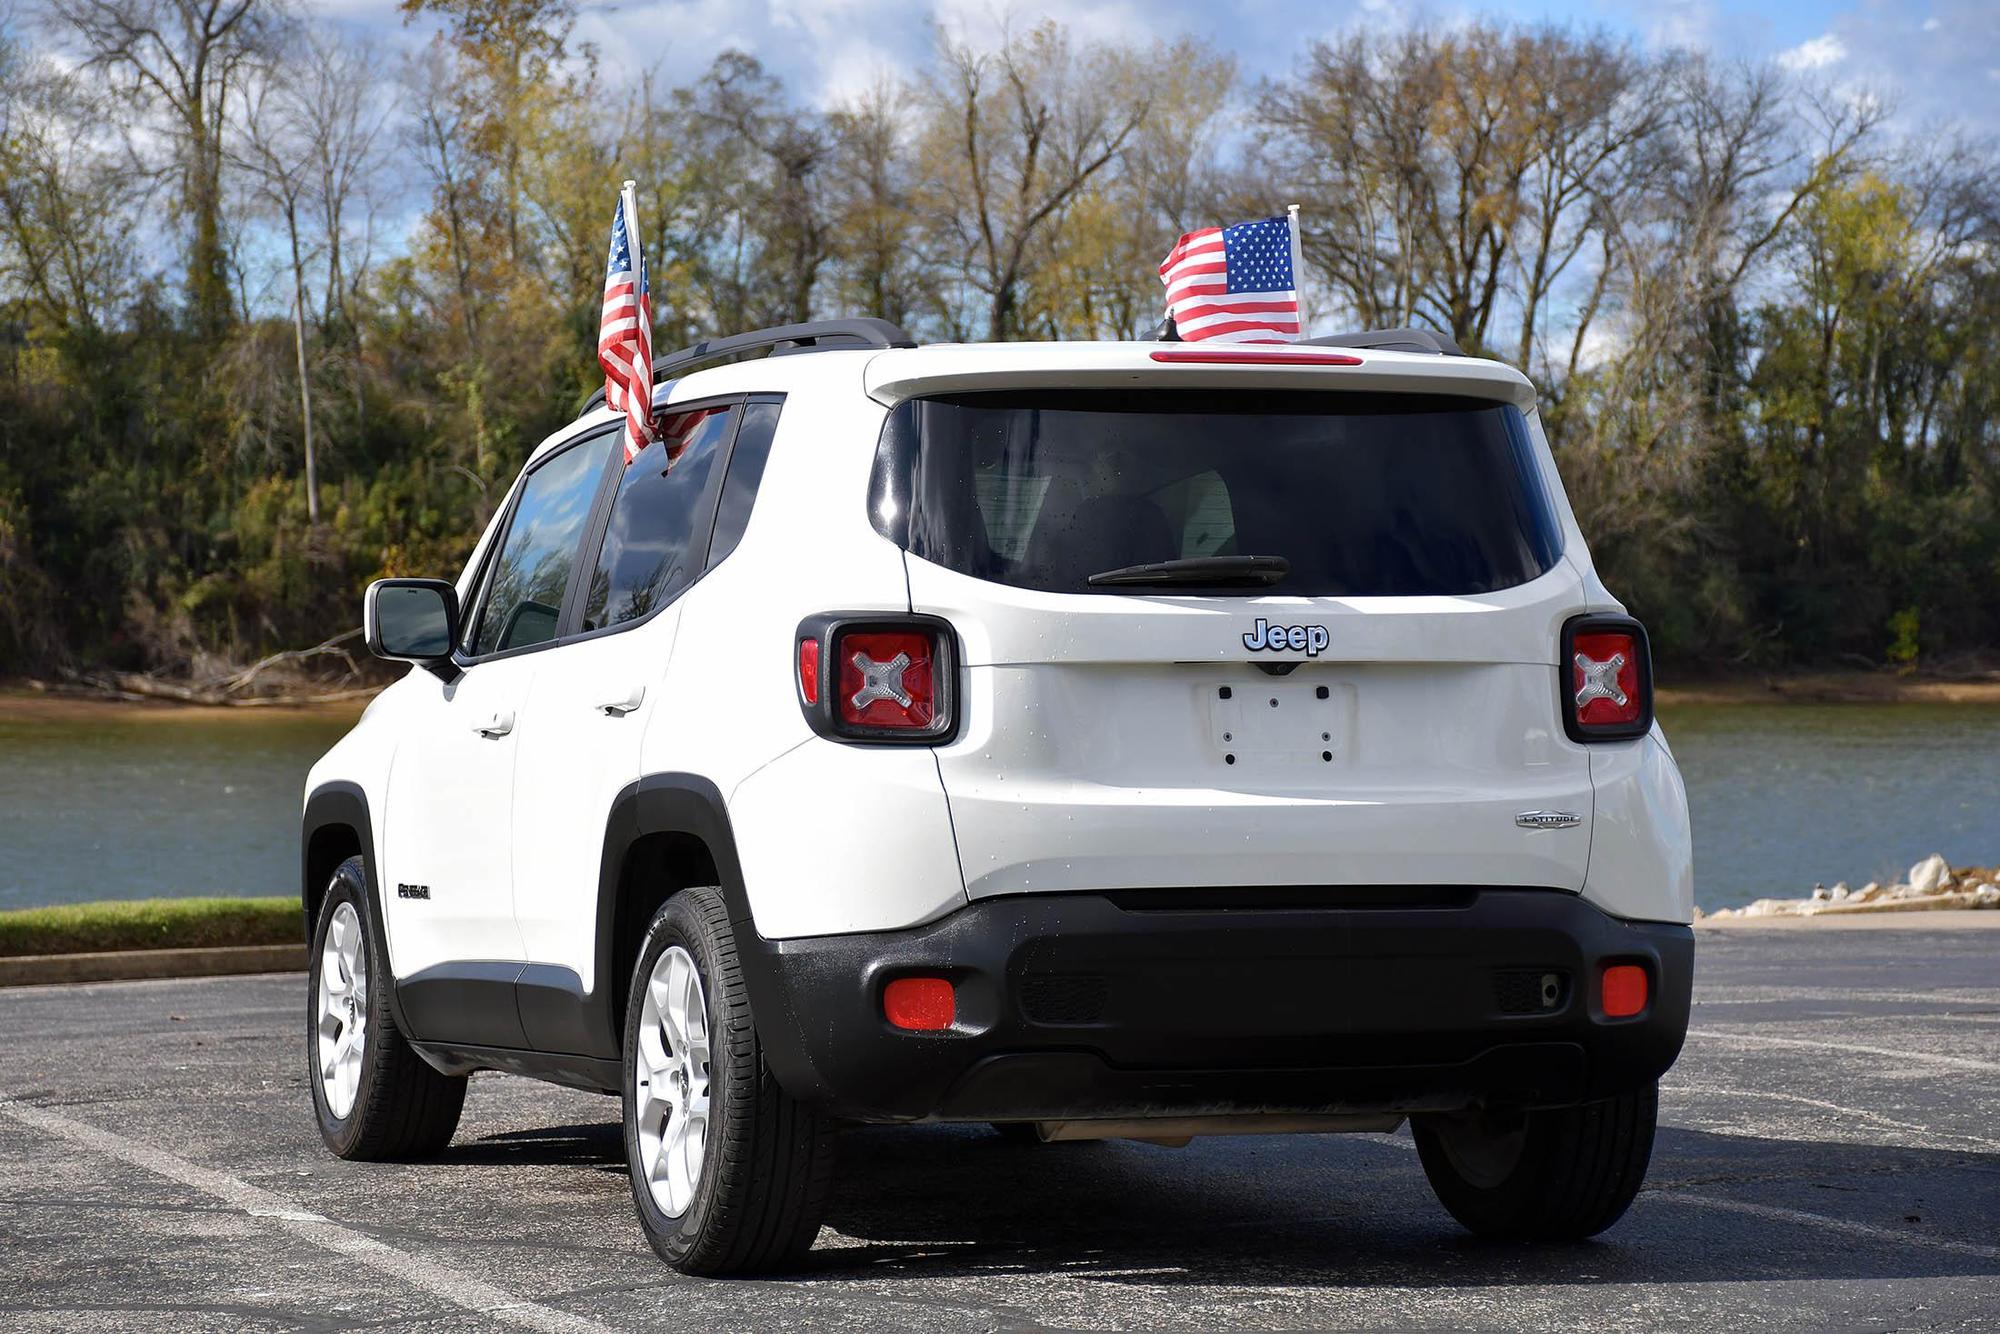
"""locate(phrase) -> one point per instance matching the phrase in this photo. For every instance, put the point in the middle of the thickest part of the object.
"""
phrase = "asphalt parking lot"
(1829, 1156)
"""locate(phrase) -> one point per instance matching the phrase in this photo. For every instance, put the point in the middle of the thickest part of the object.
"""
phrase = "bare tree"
(876, 231)
(187, 54)
(273, 146)
(1012, 135)
(1418, 150)
(64, 208)
(439, 135)
(1596, 110)
(768, 162)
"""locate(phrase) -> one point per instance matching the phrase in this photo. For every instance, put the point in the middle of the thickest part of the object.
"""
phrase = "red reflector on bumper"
(1624, 990)
(925, 1004)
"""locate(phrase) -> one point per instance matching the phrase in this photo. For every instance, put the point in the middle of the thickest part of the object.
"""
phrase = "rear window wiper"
(1213, 571)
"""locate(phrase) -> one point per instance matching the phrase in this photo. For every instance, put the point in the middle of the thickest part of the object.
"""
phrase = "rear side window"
(650, 550)
(1363, 494)
(746, 472)
(524, 588)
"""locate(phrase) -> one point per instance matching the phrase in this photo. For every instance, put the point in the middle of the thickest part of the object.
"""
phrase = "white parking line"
(436, 1279)
(1823, 1223)
(1918, 1132)
(1752, 1039)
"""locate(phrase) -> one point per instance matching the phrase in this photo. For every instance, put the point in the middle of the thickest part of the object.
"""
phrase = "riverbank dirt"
(22, 703)
(1844, 687)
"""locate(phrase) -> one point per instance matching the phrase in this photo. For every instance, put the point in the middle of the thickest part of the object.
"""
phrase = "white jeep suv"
(1097, 740)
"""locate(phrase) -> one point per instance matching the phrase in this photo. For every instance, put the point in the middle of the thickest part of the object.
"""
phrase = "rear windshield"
(1362, 494)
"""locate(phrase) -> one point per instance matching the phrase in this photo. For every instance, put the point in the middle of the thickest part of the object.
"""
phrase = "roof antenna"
(1168, 332)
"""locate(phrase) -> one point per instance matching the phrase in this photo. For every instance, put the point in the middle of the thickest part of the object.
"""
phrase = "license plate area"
(1276, 723)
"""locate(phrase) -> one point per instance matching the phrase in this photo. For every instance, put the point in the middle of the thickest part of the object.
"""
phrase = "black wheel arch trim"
(343, 804)
(661, 803)
(564, 1028)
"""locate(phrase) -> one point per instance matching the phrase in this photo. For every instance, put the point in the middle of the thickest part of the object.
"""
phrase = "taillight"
(888, 678)
(1607, 678)
(809, 670)
(878, 678)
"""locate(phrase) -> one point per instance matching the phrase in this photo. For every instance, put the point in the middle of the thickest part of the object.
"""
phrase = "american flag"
(625, 334)
(1234, 284)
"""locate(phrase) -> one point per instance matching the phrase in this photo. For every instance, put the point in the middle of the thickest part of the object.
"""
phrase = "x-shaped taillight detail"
(881, 680)
(1600, 679)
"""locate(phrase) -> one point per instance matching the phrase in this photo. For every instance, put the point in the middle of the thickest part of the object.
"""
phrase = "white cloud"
(1676, 23)
(1933, 24)
(1822, 51)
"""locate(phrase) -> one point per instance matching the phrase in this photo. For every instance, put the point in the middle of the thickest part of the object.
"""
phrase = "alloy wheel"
(343, 1009)
(672, 1081)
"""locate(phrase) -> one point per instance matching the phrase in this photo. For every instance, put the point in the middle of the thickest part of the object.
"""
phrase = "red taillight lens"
(925, 1004)
(809, 670)
(1607, 675)
(1604, 674)
(886, 678)
(875, 678)
(1623, 990)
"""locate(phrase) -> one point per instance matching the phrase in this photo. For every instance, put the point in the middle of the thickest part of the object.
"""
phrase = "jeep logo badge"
(1268, 638)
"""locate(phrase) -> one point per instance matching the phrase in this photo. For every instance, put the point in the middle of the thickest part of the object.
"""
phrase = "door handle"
(499, 725)
(618, 708)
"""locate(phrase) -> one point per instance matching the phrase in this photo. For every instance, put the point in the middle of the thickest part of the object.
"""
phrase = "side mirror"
(412, 620)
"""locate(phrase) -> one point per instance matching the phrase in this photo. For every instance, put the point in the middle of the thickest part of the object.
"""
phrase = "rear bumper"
(1101, 1005)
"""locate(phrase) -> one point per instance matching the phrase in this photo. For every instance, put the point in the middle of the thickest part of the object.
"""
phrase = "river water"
(130, 804)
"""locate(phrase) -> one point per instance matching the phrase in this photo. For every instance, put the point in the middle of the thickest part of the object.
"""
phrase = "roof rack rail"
(1391, 340)
(782, 340)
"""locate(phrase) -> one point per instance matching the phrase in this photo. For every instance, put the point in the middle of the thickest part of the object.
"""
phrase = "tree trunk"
(305, 379)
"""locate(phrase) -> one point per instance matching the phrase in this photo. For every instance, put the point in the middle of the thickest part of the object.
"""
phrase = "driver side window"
(524, 586)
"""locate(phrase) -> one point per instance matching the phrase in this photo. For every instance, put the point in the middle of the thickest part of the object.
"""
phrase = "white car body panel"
(1641, 847)
(1098, 753)
(579, 748)
(834, 841)
(445, 817)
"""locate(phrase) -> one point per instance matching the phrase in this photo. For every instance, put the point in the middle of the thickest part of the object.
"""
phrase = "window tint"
(1197, 508)
(647, 557)
(1364, 494)
(746, 470)
(524, 588)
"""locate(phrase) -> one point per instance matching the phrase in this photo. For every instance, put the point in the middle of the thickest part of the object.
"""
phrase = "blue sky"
(1931, 58)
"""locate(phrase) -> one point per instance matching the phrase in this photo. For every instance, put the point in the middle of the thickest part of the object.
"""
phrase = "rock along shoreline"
(1931, 885)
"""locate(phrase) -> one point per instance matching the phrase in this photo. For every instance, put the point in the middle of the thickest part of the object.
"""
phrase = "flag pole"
(1298, 269)
(628, 195)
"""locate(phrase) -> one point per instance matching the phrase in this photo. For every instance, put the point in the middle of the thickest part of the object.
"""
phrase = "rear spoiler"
(946, 368)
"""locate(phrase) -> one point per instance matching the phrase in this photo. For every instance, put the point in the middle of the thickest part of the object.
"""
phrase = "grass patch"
(149, 924)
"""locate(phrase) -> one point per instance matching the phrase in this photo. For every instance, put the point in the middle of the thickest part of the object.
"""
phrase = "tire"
(1560, 1174)
(383, 1102)
(751, 1198)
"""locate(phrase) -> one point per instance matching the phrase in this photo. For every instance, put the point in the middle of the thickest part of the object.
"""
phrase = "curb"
(30, 970)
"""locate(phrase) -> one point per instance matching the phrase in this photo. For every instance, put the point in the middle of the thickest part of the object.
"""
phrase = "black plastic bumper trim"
(1070, 1006)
